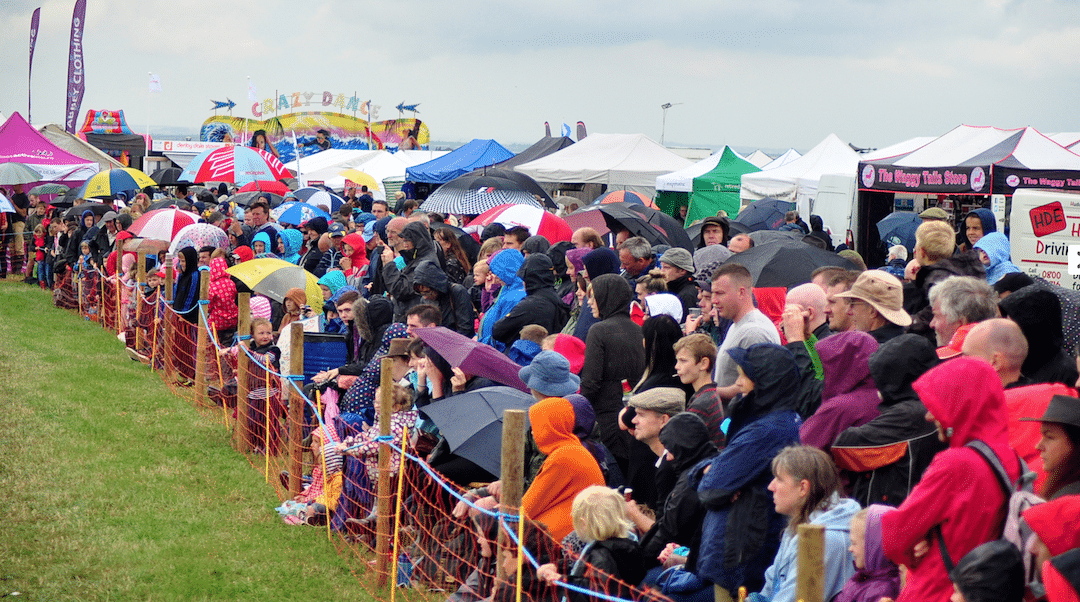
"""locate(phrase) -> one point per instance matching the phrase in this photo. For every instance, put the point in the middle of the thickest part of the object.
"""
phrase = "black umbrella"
(246, 198)
(614, 216)
(169, 176)
(98, 209)
(468, 243)
(473, 194)
(472, 422)
(170, 202)
(785, 263)
(668, 225)
(766, 214)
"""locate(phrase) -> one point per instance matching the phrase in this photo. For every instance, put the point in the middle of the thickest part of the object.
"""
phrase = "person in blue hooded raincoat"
(504, 265)
(993, 250)
(293, 241)
(742, 530)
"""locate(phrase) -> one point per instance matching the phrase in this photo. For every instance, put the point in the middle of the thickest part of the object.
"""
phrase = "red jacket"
(958, 490)
(1031, 402)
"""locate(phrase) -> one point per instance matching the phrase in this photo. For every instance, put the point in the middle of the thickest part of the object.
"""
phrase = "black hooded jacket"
(186, 289)
(687, 439)
(454, 300)
(885, 458)
(614, 352)
(378, 314)
(686, 289)
(1037, 312)
(541, 304)
(400, 283)
(557, 253)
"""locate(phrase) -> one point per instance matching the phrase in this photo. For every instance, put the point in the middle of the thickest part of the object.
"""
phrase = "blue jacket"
(505, 265)
(741, 533)
(839, 566)
(996, 247)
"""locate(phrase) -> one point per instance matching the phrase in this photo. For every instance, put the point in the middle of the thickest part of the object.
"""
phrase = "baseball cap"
(336, 229)
(956, 343)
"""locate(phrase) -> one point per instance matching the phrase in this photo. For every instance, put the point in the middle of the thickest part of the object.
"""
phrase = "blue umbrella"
(296, 213)
(315, 196)
(5, 205)
(766, 214)
(898, 228)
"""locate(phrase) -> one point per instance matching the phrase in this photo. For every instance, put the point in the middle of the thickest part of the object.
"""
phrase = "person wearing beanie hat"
(549, 376)
(678, 267)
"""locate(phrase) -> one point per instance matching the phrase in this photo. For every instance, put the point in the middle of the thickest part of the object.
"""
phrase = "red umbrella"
(625, 196)
(162, 224)
(236, 164)
(274, 187)
(537, 220)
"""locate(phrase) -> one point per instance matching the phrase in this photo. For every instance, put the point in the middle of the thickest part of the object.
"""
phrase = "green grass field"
(112, 488)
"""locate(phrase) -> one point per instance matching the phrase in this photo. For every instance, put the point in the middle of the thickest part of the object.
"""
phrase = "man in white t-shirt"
(732, 290)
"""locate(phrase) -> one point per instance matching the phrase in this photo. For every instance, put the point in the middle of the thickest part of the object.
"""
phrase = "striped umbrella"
(625, 196)
(162, 224)
(480, 195)
(108, 183)
(316, 196)
(266, 186)
(235, 164)
(538, 221)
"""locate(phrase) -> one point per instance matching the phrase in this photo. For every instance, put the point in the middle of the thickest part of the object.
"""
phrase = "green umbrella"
(49, 189)
(17, 173)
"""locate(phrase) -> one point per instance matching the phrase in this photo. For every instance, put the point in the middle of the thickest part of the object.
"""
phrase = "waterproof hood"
(537, 273)
(429, 275)
(965, 395)
(996, 247)
(505, 264)
(845, 359)
(897, 363)
(686, 437)
(613, 295)
(423, 246)
(552, 424)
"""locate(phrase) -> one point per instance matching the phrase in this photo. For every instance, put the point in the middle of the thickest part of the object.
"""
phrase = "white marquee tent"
(621, 161)
(798, 180)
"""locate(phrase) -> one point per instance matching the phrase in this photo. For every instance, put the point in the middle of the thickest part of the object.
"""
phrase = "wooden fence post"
(140, 280)
(241, 428)
(382, 521)
(296, 409)
(512, 476)
(810, 574)
(202, 341)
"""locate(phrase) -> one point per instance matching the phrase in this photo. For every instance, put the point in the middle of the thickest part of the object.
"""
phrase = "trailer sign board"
(1045, 235)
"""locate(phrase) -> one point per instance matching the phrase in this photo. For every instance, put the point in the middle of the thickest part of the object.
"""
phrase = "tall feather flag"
(34, 21)
(76, 68)
(155, 83)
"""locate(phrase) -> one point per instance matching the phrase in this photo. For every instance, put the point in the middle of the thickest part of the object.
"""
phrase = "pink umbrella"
(162, 224)
(537, 220)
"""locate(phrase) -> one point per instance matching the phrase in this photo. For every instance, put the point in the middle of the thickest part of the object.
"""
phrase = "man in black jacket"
(453, 300)
(678, 267)
(541, 305)
(415, 245)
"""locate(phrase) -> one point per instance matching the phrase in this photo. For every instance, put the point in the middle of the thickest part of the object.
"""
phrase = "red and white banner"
(76, 80)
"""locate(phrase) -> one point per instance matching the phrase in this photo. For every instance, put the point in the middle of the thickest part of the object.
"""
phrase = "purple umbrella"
(473, 357)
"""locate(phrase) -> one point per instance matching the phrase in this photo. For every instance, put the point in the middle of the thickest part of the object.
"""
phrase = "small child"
(610, 558)
(525, 348)
(40, 248)
(321, 496)
(875, 577)
(263, 399)
(404, 416)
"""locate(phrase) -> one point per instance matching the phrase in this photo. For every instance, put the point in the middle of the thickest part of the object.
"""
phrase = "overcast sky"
(765, 73)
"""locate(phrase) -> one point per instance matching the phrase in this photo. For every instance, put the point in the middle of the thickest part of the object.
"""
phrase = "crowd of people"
(682, 431)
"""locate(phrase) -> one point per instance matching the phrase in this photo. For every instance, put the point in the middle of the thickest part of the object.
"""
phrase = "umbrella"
(17, 173)
(468, 243)
(167, 203)
(766, 214)
(898, 228)
(785, 263)
(620, 216)
(360, 178)
(523, 181)
(485, 193)
(49, 189)
(5, 205)
(108, 183)
(766, 236)
(198, 236)
(162, 224)
(265, 186)
(169, 176)
(98, 209)
(472, 422)
(625, 196)
(235, 164)
(274, 277)
(473, 357)
(247, 198)
(317, 196)
(667, 225)
(538, 221)
(150, 245)
(296, 213)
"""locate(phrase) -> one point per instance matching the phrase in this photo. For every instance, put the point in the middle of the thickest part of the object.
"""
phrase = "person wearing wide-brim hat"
(1059, 446)
(877, 305)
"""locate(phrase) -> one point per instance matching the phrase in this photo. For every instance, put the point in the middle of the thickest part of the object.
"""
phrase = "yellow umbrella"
(110, 182)
(360, 179)
(274, 277)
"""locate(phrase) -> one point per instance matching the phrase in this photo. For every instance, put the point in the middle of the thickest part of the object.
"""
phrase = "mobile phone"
(695, 312)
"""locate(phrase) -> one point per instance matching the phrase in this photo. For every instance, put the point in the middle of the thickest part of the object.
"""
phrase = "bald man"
(740, 243)
(805, 312)
(1001, 343)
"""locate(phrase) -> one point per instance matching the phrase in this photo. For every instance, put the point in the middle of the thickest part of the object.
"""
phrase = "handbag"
(678, 580)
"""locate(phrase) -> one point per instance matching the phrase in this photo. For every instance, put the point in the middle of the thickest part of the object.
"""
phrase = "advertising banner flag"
(76, 69)
(155, 83)
(34, 20)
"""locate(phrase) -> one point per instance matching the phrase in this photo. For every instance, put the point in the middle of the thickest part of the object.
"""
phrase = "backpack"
(1019, 497)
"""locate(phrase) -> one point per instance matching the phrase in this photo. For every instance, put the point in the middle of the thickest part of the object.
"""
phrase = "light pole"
(663, 126)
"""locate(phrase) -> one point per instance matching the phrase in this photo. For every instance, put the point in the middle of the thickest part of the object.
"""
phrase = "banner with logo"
(988, 179)
(76, 81)
(34, 21)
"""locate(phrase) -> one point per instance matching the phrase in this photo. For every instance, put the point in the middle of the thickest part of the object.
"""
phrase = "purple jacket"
(849, 397)
(880, 578)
